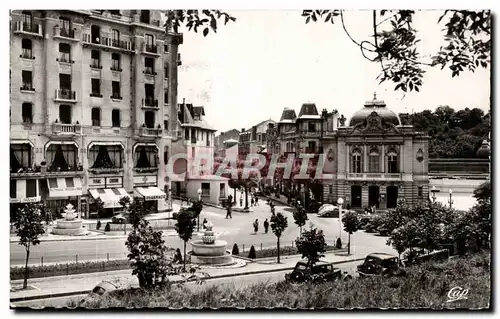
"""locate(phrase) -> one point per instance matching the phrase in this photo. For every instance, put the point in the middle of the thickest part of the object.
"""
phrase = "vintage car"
(380, 264)
(321, 271)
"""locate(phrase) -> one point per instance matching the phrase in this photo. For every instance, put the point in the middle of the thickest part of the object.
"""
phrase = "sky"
(267, 60)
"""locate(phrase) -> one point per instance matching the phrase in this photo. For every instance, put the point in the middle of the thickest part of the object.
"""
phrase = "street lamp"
(450, 201)
(198, 207)
(127, 205)
(434, 191)
(340, 201)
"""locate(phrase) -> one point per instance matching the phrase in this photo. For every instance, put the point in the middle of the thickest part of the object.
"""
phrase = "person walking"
(256, 201)
(205, 223)
(266, 226)
(230, 199)
(252, 201)
(228, 213)
(256, 226)
(241, 201)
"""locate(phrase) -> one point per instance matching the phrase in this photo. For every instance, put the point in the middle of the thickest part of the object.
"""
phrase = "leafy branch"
(195, 19)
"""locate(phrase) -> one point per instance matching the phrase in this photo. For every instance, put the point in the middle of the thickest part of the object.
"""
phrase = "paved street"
(236, 230)
(236, 282)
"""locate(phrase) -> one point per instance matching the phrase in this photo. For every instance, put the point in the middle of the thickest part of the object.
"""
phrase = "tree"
(351, 225)
(194, 19)
(125, 204)
(311, 245)
(185, 228)
(28, 223)
(99, 206)
(483, 191)
(252, 254)
(395, 45)
(300, 217)
(197, 207)
(278, 225)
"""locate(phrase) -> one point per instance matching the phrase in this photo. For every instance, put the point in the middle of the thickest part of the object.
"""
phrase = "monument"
(69, 225)
(209, 250)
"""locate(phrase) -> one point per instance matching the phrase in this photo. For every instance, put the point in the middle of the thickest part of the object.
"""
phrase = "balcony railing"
(27, 54)
(66, 33)
(374, 176)
(66, 95)
(66, 58)
(59, 128)
(28, 28)
(95, 63)
(150, 48)
(149, 70)
(27, 87)
(103, 41)
(150, 102)
(116, 96)
(154, 132)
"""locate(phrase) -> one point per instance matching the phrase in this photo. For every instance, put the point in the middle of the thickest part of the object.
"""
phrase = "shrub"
(98, 225)
(174, 215)
(107, 227)
(252, 254)
(236, 250)
(338, 244)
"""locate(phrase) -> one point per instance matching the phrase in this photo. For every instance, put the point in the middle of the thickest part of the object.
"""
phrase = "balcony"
(311, 150)
(97, 171)
(136, 19)
(65, 95)
(149, 71)
(116, 96)
(106, 43)
(30, 29)
(150, 132)
(149, 103)
(96, 94)
(146, 169)
(42, 172)
(66, 129)
(150, 49)
(27, 87)
(65, 59)
(27, 54)
(375, 176)
(309, 134)
(96, 64)
(65, 34)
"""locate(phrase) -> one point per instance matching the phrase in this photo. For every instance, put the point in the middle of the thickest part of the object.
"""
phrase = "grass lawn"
(425, 286)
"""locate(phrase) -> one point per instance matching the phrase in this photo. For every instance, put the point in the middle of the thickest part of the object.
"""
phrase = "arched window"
(115, 118)
(27, 113)
(96, 116)
(356, 161)
(27, 49)
(374, 161)
(392, 161)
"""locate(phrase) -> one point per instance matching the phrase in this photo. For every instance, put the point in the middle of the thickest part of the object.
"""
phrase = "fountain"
(70, 225)
(209, 250)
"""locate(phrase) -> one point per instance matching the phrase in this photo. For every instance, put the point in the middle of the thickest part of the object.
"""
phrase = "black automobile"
(321, 271)
(380, 264)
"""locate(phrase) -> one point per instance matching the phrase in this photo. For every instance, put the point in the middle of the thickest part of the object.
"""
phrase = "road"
(236, 282)
(236, 230)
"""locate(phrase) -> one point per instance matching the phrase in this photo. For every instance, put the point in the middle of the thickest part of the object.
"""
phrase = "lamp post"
(450, 201)
(127, 205)
(340, 201)
(434, 191)
(199, 207)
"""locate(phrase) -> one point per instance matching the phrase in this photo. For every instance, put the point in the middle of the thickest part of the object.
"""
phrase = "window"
(96, 116)
(27, 81)
(95, 34)
(64, 52)
(149, 40)
(27, 113)
(373, 161)
(149, 119)
(65, 27)
(222, 190)
(312, 147)
(193, 153)
(115, 12)
(356, 161)
(149, 65)
(311, 127)
(106, 156)
(27, 51)
(145, 156)
(144, 16)
(65, 83)
(165, 155)
(61, 157)
(27, 19)
(115, 62)
(392, 162)
(205, 189)
(95, 59)
(96, 88)
(166, 70)
(149, 90)
(166, 96)
(115, 36)
(20, 156)
(115, 118)
(420, 191)
(165, 48)
(186, 133)
(115, 86)
(65, 114)
(165, 125)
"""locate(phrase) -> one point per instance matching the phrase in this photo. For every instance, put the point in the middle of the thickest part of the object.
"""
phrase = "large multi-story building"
(374, 160)
(226, 140)
(93, 105)
(254, 141)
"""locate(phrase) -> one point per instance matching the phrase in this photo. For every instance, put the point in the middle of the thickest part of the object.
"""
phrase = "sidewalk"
(83, 283)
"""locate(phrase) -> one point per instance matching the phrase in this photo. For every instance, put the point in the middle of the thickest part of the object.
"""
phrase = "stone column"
(365, 159)
(382, 164)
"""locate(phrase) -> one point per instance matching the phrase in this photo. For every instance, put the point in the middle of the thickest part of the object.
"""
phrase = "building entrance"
(356, 196)
(392, 196)
(373, 195)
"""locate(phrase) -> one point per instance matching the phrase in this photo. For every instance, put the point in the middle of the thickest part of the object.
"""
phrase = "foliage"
(107, 227)
(338, 243)
(425, 286)
(185, 228)
(236, 250)
(483, 192)
(284, 251)
(466, 44)
(350, 221)
(278, 225)
(252, 254)
(194, 19)
(28, 224)
(300, 217)
(311, 245)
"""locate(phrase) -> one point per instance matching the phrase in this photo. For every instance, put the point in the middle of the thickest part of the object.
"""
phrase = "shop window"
(62, 157)
(145, 157)
(20, 156)
(106, 156)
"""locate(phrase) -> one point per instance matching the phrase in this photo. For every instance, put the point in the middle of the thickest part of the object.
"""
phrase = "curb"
(82, 292)
(103, 237)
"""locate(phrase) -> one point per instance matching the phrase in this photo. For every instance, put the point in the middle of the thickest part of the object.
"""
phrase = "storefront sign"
(145, 180)
(97, 182)
(113, 182)
(26, 200)
(154, 197)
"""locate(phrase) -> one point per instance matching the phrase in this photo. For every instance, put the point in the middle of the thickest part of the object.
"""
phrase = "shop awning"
(65, 187)
(24, 191)
(109, 196)
(150, 193)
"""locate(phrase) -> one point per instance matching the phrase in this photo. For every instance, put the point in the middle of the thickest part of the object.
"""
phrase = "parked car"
(328, 210)
(380, 264)
(324, 270)
(101, 289)
(118, 219)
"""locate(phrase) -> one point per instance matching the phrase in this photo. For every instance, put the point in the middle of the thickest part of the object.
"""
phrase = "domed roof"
(377, 106)
(288, 116)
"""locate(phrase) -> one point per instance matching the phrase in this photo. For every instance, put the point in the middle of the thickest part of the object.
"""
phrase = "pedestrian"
(230, 199)
(205, 223)
(241, 201)
(256, 226)
(252, 201)
(228, 212)
(266, 225)
(256, 201)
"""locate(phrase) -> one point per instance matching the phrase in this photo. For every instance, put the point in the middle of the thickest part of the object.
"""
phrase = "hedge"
(273, 252)
(69, 269)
